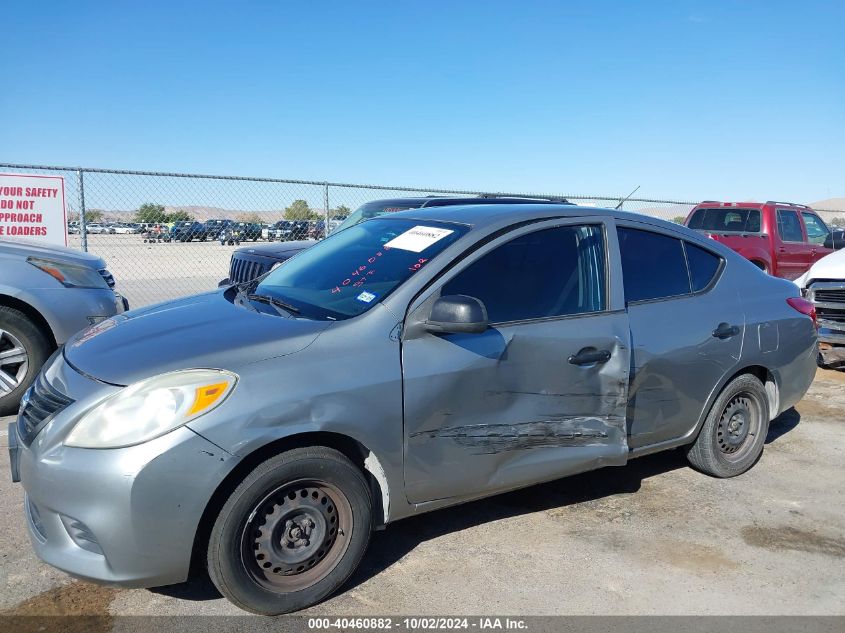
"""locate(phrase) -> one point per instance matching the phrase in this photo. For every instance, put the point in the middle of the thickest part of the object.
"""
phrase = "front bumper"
(118, 516)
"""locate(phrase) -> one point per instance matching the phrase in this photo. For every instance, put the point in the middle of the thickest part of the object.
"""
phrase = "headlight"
(70, 275)
(151, 408)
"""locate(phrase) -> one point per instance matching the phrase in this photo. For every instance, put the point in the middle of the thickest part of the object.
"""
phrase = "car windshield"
(726, 219)
(351, 271)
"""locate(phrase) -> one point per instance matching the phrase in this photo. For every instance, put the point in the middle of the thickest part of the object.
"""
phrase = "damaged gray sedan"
(408, 363)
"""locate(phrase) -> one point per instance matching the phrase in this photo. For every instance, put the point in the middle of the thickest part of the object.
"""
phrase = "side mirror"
(457, 314)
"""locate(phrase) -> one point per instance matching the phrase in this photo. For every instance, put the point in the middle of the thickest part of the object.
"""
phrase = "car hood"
(829, 267)
(206, 331)
(28, 248)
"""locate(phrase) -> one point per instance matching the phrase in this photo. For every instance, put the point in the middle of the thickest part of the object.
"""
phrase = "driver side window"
(548, 273)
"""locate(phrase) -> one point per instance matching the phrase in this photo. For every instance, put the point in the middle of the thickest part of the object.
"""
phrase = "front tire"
(292, 532)
(732, 438)
(23, 350)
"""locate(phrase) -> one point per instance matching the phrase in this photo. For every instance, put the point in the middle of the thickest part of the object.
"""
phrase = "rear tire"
(17, 373)
(292, 532)
(732, 438)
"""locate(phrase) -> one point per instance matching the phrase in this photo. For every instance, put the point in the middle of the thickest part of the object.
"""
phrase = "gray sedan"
(47, 294)
(409, 363)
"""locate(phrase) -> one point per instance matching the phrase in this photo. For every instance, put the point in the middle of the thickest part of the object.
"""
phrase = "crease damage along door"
(506, 408)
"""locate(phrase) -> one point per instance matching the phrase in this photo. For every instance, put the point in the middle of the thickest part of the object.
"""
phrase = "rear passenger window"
(703, 266)
(653, 265)
(553, 272)
(789, 227)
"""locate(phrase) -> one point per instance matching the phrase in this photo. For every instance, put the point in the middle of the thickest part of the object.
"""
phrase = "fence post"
(83, 230)
(326, 203)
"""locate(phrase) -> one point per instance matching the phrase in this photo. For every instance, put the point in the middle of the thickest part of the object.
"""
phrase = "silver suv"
(47, 293)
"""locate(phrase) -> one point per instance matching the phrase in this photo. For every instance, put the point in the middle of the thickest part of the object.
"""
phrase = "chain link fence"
(155, 230)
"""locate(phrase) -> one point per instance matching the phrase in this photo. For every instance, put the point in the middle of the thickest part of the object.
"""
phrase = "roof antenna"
(623, 200)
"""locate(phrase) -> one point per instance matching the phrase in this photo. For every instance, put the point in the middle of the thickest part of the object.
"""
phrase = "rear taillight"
(804, 307)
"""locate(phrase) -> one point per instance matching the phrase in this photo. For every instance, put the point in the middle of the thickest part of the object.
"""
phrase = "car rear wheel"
(23, 350)
(732, 438)
(292, 532)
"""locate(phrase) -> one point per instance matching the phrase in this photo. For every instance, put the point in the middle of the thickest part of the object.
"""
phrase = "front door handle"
(589, 356)
(724, 331)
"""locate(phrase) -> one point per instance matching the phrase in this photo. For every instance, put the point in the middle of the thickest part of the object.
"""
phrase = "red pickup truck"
(782, 238)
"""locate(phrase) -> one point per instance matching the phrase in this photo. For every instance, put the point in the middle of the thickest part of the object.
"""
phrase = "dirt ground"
(654, 537)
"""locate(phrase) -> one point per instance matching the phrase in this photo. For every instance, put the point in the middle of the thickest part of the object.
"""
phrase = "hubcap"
(738, 426)
(296, 535)
(14, 362)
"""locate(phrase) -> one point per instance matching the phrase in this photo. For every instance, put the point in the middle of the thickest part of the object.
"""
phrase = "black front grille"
(107, 276)
(42, 403)
(242, 269)
(830, 295)
(831, 315)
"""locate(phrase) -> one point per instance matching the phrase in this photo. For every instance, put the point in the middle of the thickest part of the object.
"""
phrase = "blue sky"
(689, 99)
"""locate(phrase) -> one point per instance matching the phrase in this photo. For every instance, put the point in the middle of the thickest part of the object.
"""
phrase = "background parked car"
(213, 228)
(782, 238)
(824, 285)
(288, 230)
(187, 230)
(836, 239)
(248, 231)
(47, 293)
(122, 229)
(96, 228)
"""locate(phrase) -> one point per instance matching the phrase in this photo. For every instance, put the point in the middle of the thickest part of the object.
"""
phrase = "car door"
(817, 236)
(793, 253)
(686, 330)
(529, 399)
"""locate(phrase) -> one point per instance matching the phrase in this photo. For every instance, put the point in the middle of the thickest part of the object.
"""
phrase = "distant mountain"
(832, 204)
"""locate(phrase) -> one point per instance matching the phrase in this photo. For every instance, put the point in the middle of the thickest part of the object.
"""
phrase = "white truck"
(824, 285)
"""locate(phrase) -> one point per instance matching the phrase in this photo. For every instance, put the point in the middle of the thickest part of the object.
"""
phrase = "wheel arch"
(31, 313)
(763, 374)
(355, 451)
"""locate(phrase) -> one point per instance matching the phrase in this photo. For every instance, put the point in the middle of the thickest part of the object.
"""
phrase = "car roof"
(484, 216)
(443, 201)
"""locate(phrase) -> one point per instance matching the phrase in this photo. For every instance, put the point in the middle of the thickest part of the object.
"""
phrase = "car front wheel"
(23, 350)
(732, 438)
(292, 531)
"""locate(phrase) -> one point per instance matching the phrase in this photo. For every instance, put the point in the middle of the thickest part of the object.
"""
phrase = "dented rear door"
(513, 406)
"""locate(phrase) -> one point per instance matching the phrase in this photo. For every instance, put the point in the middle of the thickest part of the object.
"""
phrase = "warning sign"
(33, 208)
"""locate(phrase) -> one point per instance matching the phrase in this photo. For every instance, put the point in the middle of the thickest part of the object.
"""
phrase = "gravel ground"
(654, 537)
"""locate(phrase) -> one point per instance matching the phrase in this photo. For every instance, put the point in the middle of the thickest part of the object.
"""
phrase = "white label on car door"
(418, 238)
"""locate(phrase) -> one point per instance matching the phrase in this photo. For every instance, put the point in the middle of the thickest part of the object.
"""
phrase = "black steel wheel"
(291, 532)
(732, 437)
(296, 535)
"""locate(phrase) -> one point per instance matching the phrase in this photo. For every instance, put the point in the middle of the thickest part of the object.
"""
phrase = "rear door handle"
(589, 356)
(725, 330)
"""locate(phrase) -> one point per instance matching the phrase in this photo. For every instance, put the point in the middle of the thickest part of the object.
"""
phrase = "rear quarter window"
(653, 265)
(703, 266)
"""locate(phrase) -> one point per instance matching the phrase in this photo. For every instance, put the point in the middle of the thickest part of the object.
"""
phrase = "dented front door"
(506, 408)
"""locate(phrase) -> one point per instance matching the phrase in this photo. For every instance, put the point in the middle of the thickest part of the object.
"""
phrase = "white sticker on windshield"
(366, 297)
(418, 238)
